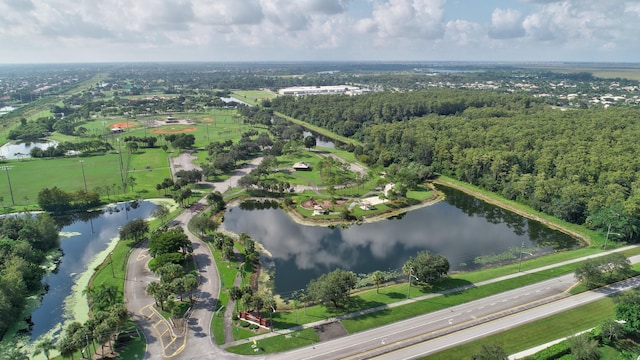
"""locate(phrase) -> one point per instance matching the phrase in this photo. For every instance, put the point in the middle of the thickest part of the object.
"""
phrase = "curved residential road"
(391, 340)
(196, 341)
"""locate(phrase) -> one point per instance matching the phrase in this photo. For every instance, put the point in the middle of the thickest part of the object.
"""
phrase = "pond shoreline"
(506, 206)
(304, 220)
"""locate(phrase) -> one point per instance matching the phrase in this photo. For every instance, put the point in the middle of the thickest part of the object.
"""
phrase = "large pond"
(84, 237)
(468, 232)
(19, 150)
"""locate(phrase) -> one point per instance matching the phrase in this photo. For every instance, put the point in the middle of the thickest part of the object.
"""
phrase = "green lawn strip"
(217, 328)
(594, 237)
(319, 130)
(538, 332)
(242, 330)
(227, 274)
(278, 343)
(133, 348)
(148, 167)
(391, 315)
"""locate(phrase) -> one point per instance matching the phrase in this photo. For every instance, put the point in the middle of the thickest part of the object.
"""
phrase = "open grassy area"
(149, 166)
(253, 97)
(279, 343)
(538, 332)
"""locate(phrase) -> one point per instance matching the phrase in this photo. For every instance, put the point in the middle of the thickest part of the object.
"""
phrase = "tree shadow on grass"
(396, 295)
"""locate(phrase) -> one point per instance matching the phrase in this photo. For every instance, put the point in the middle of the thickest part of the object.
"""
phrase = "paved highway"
(432, 346)
(415, 337)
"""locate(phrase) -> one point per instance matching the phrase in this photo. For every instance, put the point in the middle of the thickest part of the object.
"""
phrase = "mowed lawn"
(29, 176)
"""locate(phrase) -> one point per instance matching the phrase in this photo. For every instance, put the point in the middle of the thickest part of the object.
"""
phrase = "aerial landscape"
(319, 179)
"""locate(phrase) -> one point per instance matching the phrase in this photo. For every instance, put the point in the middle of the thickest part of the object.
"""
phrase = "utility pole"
(7, 168)
(84, 179)
(521, 250)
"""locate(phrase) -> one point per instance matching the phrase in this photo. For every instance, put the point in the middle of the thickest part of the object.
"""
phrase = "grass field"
(539, 332)
(148, 166)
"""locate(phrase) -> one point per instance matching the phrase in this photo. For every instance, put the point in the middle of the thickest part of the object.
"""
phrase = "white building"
(320, 90)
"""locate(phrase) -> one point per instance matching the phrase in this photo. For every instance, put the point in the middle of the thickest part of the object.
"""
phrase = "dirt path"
(513, 209)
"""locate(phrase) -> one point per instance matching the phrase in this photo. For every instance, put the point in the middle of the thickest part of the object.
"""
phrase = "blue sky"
(44, 31)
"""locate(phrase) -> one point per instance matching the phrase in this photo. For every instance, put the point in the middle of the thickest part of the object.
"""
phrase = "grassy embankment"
(590, 237)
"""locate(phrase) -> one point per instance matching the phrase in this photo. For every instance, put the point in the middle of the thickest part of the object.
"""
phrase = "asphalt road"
(415, 337)
(429, 347)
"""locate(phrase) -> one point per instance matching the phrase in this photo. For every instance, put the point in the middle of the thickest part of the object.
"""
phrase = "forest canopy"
(579, 165)
(24, 242)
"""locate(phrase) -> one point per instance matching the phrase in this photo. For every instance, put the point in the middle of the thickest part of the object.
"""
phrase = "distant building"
(301, 166)
(321, 90)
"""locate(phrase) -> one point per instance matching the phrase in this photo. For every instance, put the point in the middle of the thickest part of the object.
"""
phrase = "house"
(301, 166)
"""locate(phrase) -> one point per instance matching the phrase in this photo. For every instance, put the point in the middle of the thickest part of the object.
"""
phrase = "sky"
(69, 31)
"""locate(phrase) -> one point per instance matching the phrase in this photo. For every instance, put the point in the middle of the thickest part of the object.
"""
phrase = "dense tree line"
(24, 243)
(56, 200)
(349, 115)
(577, 165)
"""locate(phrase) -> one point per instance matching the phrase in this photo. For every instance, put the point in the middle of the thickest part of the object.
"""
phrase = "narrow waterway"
(82, 239)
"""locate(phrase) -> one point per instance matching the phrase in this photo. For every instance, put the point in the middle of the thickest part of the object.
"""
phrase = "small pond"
(19, 150)
(468, 232)
(84, 236)
(321, 140)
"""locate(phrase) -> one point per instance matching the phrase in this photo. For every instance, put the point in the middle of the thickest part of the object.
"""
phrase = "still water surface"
(461, 228)
(89, 236)
(19, 150)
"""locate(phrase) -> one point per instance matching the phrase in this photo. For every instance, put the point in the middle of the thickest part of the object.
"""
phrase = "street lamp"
(7, 168)
(271, 317)
(410, 276)
(607, 237)
(84, 179)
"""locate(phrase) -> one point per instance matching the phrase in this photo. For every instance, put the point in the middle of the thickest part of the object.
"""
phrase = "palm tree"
(44, 346)
(106, 296)
(102, 334)
(119, 313)
(66, 348)
(190, 284)
(378, 278)
(235, 294)
(153, 289)
(90, 293)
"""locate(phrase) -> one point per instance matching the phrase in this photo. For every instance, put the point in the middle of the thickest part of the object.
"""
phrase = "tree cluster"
(333, 287)
(24, 243)
(574, 165)
(181, 141)
(604, 270)
(426, 268)
(174, 282)
(108, 314)
(56, 200)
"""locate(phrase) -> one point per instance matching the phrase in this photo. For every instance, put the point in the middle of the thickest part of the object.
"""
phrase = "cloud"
(20, 5)
(327, 7)
(320, 29)
(506, 24)
(404, 20)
